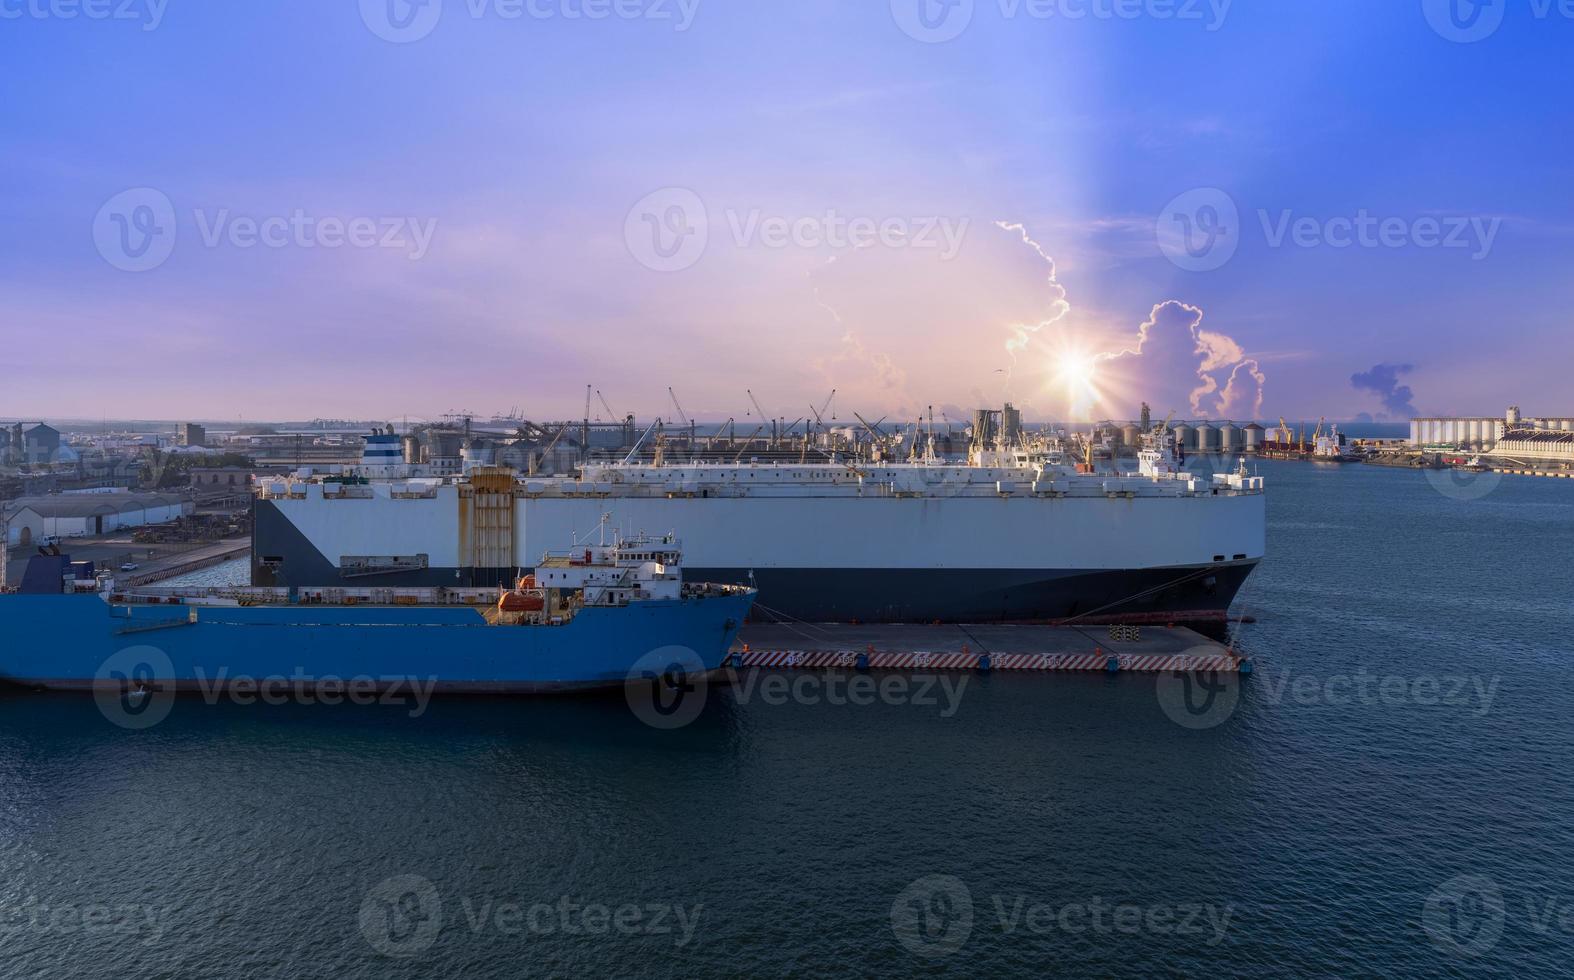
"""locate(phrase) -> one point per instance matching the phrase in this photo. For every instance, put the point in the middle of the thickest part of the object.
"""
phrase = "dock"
(183, 563)
(1105, 649)
(1553, 474)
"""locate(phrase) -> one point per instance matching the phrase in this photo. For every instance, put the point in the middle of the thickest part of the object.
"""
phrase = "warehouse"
(1537, 446)
(31, 520)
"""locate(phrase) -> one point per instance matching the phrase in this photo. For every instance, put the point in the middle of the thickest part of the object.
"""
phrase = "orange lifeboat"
(526, 584)
(519, 602)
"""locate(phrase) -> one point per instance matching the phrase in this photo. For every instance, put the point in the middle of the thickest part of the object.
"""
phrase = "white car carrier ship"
(1007, 537)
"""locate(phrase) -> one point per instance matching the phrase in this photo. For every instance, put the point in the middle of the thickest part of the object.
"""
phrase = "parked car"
(129, 566)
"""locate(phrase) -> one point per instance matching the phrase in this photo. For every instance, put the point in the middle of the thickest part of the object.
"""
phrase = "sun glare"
(1075, 373)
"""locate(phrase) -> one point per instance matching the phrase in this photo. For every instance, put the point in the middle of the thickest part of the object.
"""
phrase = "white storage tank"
(1207, 438)
(1229, 438)
(1183, 436)
(1254, 437)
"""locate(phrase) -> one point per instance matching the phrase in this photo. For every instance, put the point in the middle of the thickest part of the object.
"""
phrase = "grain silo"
(1207, 438)
(1229, 438)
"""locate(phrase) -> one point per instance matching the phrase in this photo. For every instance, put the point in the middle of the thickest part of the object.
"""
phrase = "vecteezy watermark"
(668, 688)
(92, 919)
(136, 688)
(1363, 230)
(669, 230)
(148, 13)
(1469, 21)
(403, 917)
(1205, 699)
(404, 21)
(937, 21)
(935, 916)
(303, 687)
(1467, 915)
(136, 231)
(1464, 485)
(942, 692)
(1202, 229)
(1199, 699)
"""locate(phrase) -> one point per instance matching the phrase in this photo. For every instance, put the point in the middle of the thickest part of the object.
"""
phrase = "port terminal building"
(1487, 434)
(31, 520)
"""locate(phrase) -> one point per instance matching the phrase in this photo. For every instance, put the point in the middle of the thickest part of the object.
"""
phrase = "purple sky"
(1304, 207)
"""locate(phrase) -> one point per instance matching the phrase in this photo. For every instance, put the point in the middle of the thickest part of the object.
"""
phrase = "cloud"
(994, 323)
(1382, 380)
(1176, 365)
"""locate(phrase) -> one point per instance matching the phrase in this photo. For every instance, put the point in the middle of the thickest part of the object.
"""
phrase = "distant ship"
(1011, 535)
(586, 619)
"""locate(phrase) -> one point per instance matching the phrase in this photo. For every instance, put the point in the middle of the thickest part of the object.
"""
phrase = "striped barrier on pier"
(1101, 660)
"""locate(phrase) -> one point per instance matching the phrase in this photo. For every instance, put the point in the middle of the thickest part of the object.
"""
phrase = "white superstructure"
(1017, 535)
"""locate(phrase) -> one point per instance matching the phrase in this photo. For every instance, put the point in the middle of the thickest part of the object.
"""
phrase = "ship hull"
(78, 642)
(956, 560)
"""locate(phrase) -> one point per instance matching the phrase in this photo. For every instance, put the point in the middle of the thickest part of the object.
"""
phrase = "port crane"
(682, 415)
(764, 417)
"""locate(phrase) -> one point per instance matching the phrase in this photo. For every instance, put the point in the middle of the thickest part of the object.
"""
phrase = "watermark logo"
(1465, 21)
(938, 21)
(135, 688)
(932, 21)
(62, 919)
(1465, 916)
(401, 21)
(668, 230)
(405, 21)
(941, 692)
(1366, 230)
(402, 916)
(1200, 230)
(135, 230)
(1464, 485)
(1199, 699)
(933, 916)
(667, 688)
(148, 13)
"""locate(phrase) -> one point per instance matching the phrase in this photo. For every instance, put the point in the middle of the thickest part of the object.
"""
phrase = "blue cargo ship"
(597, 617)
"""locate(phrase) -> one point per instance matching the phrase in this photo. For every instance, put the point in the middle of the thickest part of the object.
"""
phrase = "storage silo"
(1207, 438)
(1183, 437)
(1253, 437)
(1131, 434)
(1229, 438)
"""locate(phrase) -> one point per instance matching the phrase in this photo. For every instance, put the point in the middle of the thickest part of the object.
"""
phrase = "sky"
(384, 209)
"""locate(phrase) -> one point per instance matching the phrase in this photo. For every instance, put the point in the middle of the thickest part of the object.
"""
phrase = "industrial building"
(1478, 433)
(191, 435)
(29, 443)
(75, 515)
(1537, 446)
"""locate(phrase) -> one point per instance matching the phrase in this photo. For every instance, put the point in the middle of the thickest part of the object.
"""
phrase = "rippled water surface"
(1391, 794)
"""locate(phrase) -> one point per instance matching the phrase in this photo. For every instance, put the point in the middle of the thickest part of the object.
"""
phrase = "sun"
(1076, 374)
